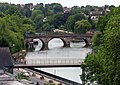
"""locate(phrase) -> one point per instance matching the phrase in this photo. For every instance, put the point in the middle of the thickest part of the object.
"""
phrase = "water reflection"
(57, 51)
(55, 43)
(71, 73)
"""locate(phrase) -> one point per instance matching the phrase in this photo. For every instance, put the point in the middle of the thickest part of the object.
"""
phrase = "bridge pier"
(66, 41)
(45, 46)
(30, 45)
(87, 42)
(66, 45)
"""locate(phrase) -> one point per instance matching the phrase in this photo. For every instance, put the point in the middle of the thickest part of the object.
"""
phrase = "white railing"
(55, 61)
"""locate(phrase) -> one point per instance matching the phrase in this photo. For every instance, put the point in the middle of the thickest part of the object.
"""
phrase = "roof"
(5, 57)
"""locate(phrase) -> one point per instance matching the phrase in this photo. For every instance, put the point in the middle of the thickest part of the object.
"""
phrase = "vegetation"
(12, 31)
(103, 66)
(18, 20)
(82, 26)
(21, 75)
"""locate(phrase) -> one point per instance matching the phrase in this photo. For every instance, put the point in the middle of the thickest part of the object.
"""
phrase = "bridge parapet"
(58, 35)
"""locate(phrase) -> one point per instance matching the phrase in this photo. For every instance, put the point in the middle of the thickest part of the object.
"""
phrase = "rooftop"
(5, 57)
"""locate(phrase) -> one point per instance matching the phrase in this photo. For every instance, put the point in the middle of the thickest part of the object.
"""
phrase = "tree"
(91, 22)
(75, 10)
(102, 21)
(53, 8)
(82, 26)
(3, 43)
(36, 13)
(103, 66)
(39, 6)
(57, 8)
(111, 7)
(72, 19)
(13, 25)
(47, 27)
(2, 14)
(79, 16)
(70, 23)
(28, 21)
(14, 10)
(27, 12)
(28, 28)
(112, 44)
(96, 42)
(7, 35)
(38, 22)
(57, 20)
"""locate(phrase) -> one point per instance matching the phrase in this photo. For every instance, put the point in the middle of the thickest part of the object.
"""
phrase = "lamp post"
(17, 56)
(13, 51)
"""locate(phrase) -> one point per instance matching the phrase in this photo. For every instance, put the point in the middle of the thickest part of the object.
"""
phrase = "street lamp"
(17, 56)
(13, 45)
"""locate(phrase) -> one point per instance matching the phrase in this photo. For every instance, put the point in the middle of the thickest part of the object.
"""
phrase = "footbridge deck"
(50, 62)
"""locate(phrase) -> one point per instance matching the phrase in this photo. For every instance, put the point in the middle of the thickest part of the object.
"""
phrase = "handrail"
(55, 61)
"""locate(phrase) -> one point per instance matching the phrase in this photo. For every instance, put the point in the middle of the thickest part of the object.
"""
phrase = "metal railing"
(54, 61)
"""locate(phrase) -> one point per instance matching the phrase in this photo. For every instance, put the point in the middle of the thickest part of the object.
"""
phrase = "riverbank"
(39, 77)
(57, 78)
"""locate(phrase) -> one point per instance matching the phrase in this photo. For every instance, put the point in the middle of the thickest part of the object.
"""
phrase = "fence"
(54, 61)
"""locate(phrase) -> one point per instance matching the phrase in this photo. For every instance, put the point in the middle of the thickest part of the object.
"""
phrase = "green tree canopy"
(57, 20)
(35, 13)
(82, 26)
(103, 66)
(38, 22)
(72, 19)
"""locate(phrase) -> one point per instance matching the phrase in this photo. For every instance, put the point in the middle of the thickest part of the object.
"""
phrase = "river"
(76, 50)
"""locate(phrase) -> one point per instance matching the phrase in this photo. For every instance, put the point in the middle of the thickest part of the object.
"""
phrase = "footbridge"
(66, 38)
(49, 62)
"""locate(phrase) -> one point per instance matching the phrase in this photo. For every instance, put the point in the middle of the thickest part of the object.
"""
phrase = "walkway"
(50, 62)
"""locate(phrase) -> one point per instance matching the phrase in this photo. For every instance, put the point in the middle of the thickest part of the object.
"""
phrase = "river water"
(56, 50)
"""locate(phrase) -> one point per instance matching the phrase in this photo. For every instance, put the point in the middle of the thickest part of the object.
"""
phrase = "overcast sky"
(68, 3)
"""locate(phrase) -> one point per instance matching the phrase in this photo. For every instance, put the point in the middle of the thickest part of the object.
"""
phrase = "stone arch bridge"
(66, 38)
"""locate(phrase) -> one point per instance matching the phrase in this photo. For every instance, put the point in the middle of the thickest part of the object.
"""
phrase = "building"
(5, 58)
(66, 9)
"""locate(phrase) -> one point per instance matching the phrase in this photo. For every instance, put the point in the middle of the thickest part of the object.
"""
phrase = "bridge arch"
(45, 42)
(66, 39)
(44, 45)
(63, 40)
(38, 44)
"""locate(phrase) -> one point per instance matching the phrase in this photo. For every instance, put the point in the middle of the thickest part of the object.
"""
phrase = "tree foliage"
(103, 66)
(19, 19)
(12, 31)
(82, 26)
(70, 23)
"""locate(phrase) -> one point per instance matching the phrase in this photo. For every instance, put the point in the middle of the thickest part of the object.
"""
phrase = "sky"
(68, 3)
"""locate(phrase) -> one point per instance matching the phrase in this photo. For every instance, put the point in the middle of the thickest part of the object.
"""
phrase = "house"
(5, 58)
(66, 9)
